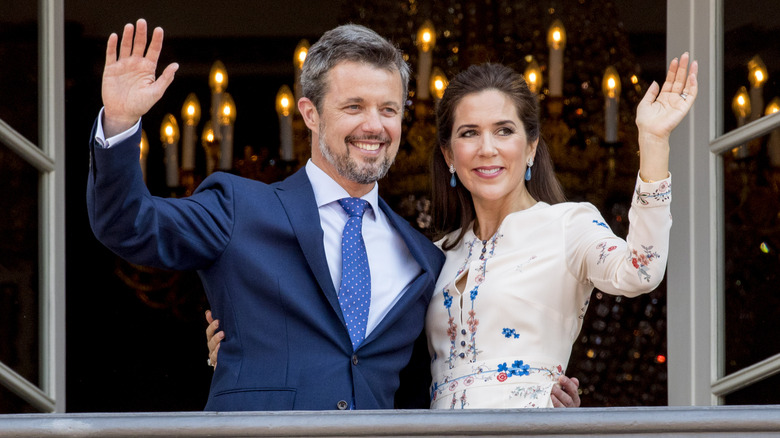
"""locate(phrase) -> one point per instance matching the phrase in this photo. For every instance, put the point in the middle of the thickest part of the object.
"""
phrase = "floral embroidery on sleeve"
(662, 193)
(642, 261)
(604, 251)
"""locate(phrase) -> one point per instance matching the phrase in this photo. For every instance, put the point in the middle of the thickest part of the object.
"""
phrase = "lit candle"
(212, 151)
(757, 77)
(226, 122)
(190, 114)
(169, 135)
(610, 85)
(438, 84)
(741, 107)
(426, 40)
(300, 56)
(556, 41)
(773, 144)
(284, 105)
(533, 75)
(144, 152)
(218, 81)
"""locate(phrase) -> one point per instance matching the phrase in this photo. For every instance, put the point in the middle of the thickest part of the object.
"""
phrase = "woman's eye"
(468, 133)
(505, 131)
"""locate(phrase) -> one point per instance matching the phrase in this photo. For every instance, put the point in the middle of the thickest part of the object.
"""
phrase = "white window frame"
(695, 303)
(49, 161)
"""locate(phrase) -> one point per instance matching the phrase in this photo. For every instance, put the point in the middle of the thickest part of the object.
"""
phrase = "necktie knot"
(355, 207)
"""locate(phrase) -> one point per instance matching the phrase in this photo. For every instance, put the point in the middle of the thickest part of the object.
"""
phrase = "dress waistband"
(493, 372)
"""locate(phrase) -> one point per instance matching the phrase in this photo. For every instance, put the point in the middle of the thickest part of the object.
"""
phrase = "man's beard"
(366, 172)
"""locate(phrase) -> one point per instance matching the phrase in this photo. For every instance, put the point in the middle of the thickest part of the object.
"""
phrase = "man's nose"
(372, 122)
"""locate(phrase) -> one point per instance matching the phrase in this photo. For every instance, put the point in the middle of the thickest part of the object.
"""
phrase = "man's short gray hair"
(349, 42)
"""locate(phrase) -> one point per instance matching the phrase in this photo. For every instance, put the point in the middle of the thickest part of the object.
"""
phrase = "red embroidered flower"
(469, 380)
(501, 377)
(453, 385)
(612, 248)
(635, 262)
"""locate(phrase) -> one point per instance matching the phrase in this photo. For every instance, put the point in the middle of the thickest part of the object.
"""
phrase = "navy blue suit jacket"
(259, 251)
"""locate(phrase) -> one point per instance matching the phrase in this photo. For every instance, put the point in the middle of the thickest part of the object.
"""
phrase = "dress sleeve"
(628, 267)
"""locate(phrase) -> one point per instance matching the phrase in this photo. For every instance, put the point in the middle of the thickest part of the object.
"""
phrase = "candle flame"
(611, 83)
(759, 76)
(556, 35)
(219, 78)
(210, 136)
(532, 77)
(168, 130)
(285, 102)
(741, 100)
(191, 110)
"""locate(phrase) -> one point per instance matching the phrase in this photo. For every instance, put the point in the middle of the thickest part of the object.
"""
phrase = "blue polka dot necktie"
(355, 289)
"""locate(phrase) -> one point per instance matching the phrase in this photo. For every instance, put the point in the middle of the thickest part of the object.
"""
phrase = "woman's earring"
(528, 169)
(453, 182)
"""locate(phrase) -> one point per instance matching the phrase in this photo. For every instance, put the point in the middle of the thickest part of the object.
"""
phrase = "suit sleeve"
(623, 267)
(181, 234)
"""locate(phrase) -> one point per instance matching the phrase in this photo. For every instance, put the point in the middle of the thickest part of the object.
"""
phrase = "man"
(270, 256)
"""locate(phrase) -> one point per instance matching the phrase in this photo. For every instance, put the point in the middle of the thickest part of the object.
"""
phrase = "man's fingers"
(111, 49)
(126, 45)
(155, 47)
(139, 44)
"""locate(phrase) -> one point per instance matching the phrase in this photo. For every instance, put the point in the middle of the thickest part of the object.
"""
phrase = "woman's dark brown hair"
(453, 208)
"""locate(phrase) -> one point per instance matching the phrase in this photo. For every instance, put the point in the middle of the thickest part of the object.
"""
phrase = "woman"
(521, 263)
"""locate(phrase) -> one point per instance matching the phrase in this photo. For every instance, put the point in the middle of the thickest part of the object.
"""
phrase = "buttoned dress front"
(503, 340)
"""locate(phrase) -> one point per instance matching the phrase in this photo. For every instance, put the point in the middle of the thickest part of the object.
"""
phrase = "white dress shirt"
(392, 266)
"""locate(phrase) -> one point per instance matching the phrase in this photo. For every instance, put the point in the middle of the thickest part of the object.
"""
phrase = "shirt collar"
(327, 191)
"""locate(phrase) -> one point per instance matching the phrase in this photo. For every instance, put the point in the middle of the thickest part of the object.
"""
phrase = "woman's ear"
(532, 149)
(309, 113)
(447, 152)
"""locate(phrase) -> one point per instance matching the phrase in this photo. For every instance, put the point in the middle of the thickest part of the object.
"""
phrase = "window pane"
(763, 392)
(11, 403)
(19, 342)
(750, 41)
(752, 251)
(19, 68)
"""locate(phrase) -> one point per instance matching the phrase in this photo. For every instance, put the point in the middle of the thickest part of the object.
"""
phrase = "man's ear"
(309, 113)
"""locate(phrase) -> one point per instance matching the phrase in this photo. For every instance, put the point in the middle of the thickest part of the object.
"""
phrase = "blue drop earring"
(453, 182)
(528, 169)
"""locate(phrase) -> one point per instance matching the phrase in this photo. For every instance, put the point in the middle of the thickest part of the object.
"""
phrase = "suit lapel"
(297, 198)
(419, 285)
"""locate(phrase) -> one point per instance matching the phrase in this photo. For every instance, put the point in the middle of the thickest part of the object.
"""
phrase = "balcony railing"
(625, 422)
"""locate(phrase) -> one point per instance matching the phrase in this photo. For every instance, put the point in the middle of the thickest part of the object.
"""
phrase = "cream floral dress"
(503, 340)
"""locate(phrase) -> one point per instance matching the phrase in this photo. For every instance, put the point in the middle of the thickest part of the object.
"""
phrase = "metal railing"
(624, 422)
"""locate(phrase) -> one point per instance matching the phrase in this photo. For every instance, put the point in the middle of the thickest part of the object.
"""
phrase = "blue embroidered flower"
(519, 369)
(502, 367)
(510, 333)
(447, 300)
(601, 224)
(474, 293)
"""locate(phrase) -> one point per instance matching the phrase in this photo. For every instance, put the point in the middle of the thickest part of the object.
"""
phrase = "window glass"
(19, 68)
(752, 250)
(763, 392)
(19, 343)
(11, 403)
(751, 59)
